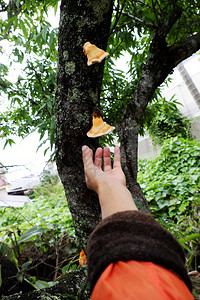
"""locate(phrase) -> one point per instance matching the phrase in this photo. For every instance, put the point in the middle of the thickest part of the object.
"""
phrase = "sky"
(24, 153)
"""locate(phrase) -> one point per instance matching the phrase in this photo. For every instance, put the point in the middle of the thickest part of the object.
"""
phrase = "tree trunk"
(77, 93)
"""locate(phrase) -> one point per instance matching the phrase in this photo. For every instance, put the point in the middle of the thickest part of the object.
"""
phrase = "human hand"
(94, 175)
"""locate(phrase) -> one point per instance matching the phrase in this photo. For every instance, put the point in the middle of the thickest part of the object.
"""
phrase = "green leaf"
(185, 247)
(28, 3)
(40, 284)
(190, 238)
(26, 265)
(44, 33)
(30, 233)
(8, 142)
(23, 27)
(20, 276)
(51, 40)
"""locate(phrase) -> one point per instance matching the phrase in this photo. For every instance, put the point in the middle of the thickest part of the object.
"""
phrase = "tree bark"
(77, 93)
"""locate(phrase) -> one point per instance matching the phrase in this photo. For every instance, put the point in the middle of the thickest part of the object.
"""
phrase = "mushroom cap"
(94, 54)
(86, 46)
(99, 127)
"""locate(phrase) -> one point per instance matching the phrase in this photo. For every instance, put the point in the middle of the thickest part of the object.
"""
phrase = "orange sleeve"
(136, 280)
(133, 236)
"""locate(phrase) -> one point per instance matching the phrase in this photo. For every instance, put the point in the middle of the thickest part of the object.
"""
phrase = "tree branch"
(153, 75)
(11, 166)
(185, 49)
(145, 4)
(117, 28)
(154, 10)
(12, 12)
(118, 15)
(147, 24)
(159, 40)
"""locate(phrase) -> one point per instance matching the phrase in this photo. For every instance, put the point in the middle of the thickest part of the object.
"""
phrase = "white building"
(7, 200)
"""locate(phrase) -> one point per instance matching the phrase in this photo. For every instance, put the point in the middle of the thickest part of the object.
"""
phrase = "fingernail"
(84, 148)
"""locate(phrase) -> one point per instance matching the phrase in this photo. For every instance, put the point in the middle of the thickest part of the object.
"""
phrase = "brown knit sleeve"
(133, 235)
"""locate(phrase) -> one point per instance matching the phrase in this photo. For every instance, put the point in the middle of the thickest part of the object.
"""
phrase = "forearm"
(114, 197)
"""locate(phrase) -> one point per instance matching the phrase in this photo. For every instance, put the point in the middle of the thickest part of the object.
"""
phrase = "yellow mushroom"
(94, 54)
(99, 127)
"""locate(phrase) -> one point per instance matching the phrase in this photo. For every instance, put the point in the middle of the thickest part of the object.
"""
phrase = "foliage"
(167, 121)
(49, 185)
(171, 184)
(33, 44)
(31, 106)
(176, 174)
(40, 234)
(49, 210)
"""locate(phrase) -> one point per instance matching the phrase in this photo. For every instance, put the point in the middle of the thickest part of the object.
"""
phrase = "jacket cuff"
(133, 235)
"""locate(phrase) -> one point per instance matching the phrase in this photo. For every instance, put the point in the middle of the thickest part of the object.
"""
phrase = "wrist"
(108, 185)
(114, 197)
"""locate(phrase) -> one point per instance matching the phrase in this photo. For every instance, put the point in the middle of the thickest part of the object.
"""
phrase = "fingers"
(98, 158)
(87, 158)
(107, 159)
(117, 158)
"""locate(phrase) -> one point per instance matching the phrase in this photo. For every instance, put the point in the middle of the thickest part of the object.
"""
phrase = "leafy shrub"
(168, 122)
(171, 184)
(38, 239)
(49, 210)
